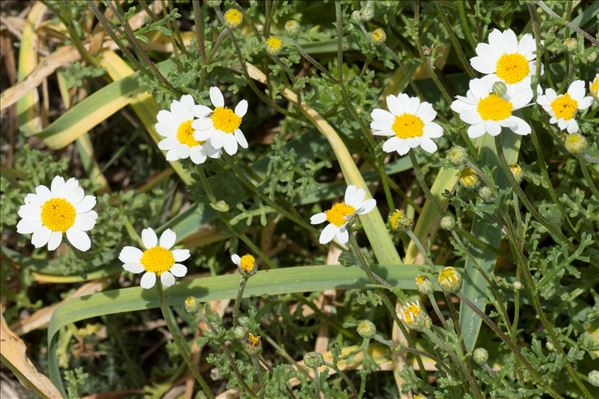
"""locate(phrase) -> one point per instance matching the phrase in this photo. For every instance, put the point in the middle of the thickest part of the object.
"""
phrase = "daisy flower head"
(273, 45)
(158, 259)
(233, 18)
(247, 262)
(51, 212)
(341, 213)
(594, 87)
(221, 125)
(413, 315)
(176, 128)
(486, 111)
(511, 60)
(564, 107)
(408, 123)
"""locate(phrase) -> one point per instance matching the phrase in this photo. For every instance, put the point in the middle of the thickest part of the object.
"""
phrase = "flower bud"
(366, 329)
(592, 56)
(398, 221)
(570, 44)
(273, 45)
(447, 222)
(576, 143)
(413, 316)
(517, 172)
(594, 378)
(240, 332)
(480, 356)
(486, 194)
(378, 36)
(419, 396)
(457, 155)
(517, 285)
(292, 28)
(233, 18)
(191, 304)
(313, 360)
(367, 13)
(499, 88)
(449, 279)
(424, 285)
(356, 17)
(252, 343)
(469, 178)
(549, 345)
(244, 321)
(214, 3)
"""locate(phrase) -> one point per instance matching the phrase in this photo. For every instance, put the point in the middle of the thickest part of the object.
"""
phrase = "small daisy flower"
(63, 208)
(413, 315)
(594, 87)
(221, 125)
(487, 111)
(563, 108)
(176, 128)
(233, 18)
(273, 45)
(247, 262)
(378, 36)
(158, 259)
(341, 213)
(409, 122)
(510, 60)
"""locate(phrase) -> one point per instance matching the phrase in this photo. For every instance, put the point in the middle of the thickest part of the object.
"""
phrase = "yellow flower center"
(157, 260)
(395, 218)
(253, 340)
(274, 43)
(410, 313)
(233, 17)
(468, 178)
(564, 107)
(58, 214)
(512, 68)
(449, 278)
(420, 280)
(407, 126)
(378, 35)
(494, 108)
(185, 134)
(338, 213)
(247, 263)
(595, 87)
(225, 120)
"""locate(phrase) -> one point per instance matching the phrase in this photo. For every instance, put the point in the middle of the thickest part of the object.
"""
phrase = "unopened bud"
(592, 56)
(313, 360)
(214, 3)
(424, 285)
(516, 172)
(244, 321)
(449, 279)
(499, 88)
(240, 332)
(517, 285)
(486, 194)
(480, 356)
(191, 304)
(447, 222)
(252, 343)
(292, 28)
(457, 155)
(366, 329)
(595, 86)
(398, 221)
(549, 345)
(570, 44)
(576, 143)
(594, 378)
(356, 17)
(367, 13)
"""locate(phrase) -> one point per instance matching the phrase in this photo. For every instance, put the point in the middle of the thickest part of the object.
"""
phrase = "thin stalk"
(317, 381)
(312, 61)
(242, 284)
(199, 28)
(420, 178)
(244, 384)
(420, 247)
(587, 177)
(433, 301)
(73, 35)
(180, 341)
(569, 24)
(466, 25)
(345, 377)
(260, 373)
(339, 28)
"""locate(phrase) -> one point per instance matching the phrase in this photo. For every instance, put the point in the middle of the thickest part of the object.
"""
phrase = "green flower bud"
(486, 194)
(592, 56)
(244, 321)
(447, 222)
(367, 13)
(313, 360)
(480, 356)
(240, 332)
(457, 155)
(549, 345)
(469, 178)
(499, 88)
(398, 221)
(517, 285)
(449, 279)
(414, 316)
(424, 285)
(594, 378)
(356, 17)
(214, 3)
(191, 304)
(292, 28)
(570, 44)
(366, 329)
(576, 143)
(516, 172)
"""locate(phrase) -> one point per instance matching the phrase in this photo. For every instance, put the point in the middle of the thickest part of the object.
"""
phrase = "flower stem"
(242, 284)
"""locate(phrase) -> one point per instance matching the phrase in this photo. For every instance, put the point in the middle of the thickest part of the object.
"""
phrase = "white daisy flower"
(409, 122)
(175, 127)
(488, 112)
(594, 87)
(563, 108)
(512, 61)
(157, 259)
(63, 208)
(341, 213)
(221, 125)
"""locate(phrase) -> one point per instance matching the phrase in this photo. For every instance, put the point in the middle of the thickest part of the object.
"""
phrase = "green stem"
(242, 284)
(180, 341)
(465, 24)
(587, 177)
(199, 28)
(339, 27)
(420, 178)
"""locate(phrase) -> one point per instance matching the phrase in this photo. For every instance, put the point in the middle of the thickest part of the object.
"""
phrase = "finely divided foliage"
(267, 113)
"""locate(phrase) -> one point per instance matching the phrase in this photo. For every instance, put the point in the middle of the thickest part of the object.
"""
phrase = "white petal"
(57, 186)
(527, 46)
(394, 105)
(167, 279)
(181, 254)
(148, 237)
(88, 202)
(350, 193)
(130, 255)
(510, 40)
(402, 147)
(577, 90)
(471, 117)
(178, 270)
(383, 132)
(85, 221)
(478, 88)
(428, 145)
(217, 97)
(55, 240)
(30, 212)
(197, 156)
(477, 130)
(241, 108)
(168, 144)
(367, 206)
(202, 124)
(172, 155)
(164, 116)
(183, 151)
(328, 233)
(148, 280)
(493, 128)
(482, 65)
(426, 112)
(240, 139)
(433, 130)
(236, 259)
(391, 144)
(40, 237)
(133, 267)
(380, 115)
(26, 226)
(318, 218)
(79, 239)
(356, 199)
(522, 128)
(168, 239)
(585, 103)
(230, 145)
(572, 126)
(187, 101)
(200, 111)
(342, 236)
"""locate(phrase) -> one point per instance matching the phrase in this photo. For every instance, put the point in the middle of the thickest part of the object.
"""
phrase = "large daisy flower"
(409, 122)
(487, 111)
(221, 125)
(512, 61)
(341, 213)
(158, 259)
(563, 108)
(594, 87)
(175, 127)
(63, 208)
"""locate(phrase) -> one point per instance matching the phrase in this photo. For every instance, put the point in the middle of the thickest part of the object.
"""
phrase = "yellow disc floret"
(225, 120)
(413, 315)
(564, 107)
(58, 214)
(468, 178)
(157, 260)
(449, 279)
(512, 68)
(407, 126)
(247, 263)
(185, 134)
(253, 340)
(233, 18)
(273, 45)
(494, 108)
(338, 214)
